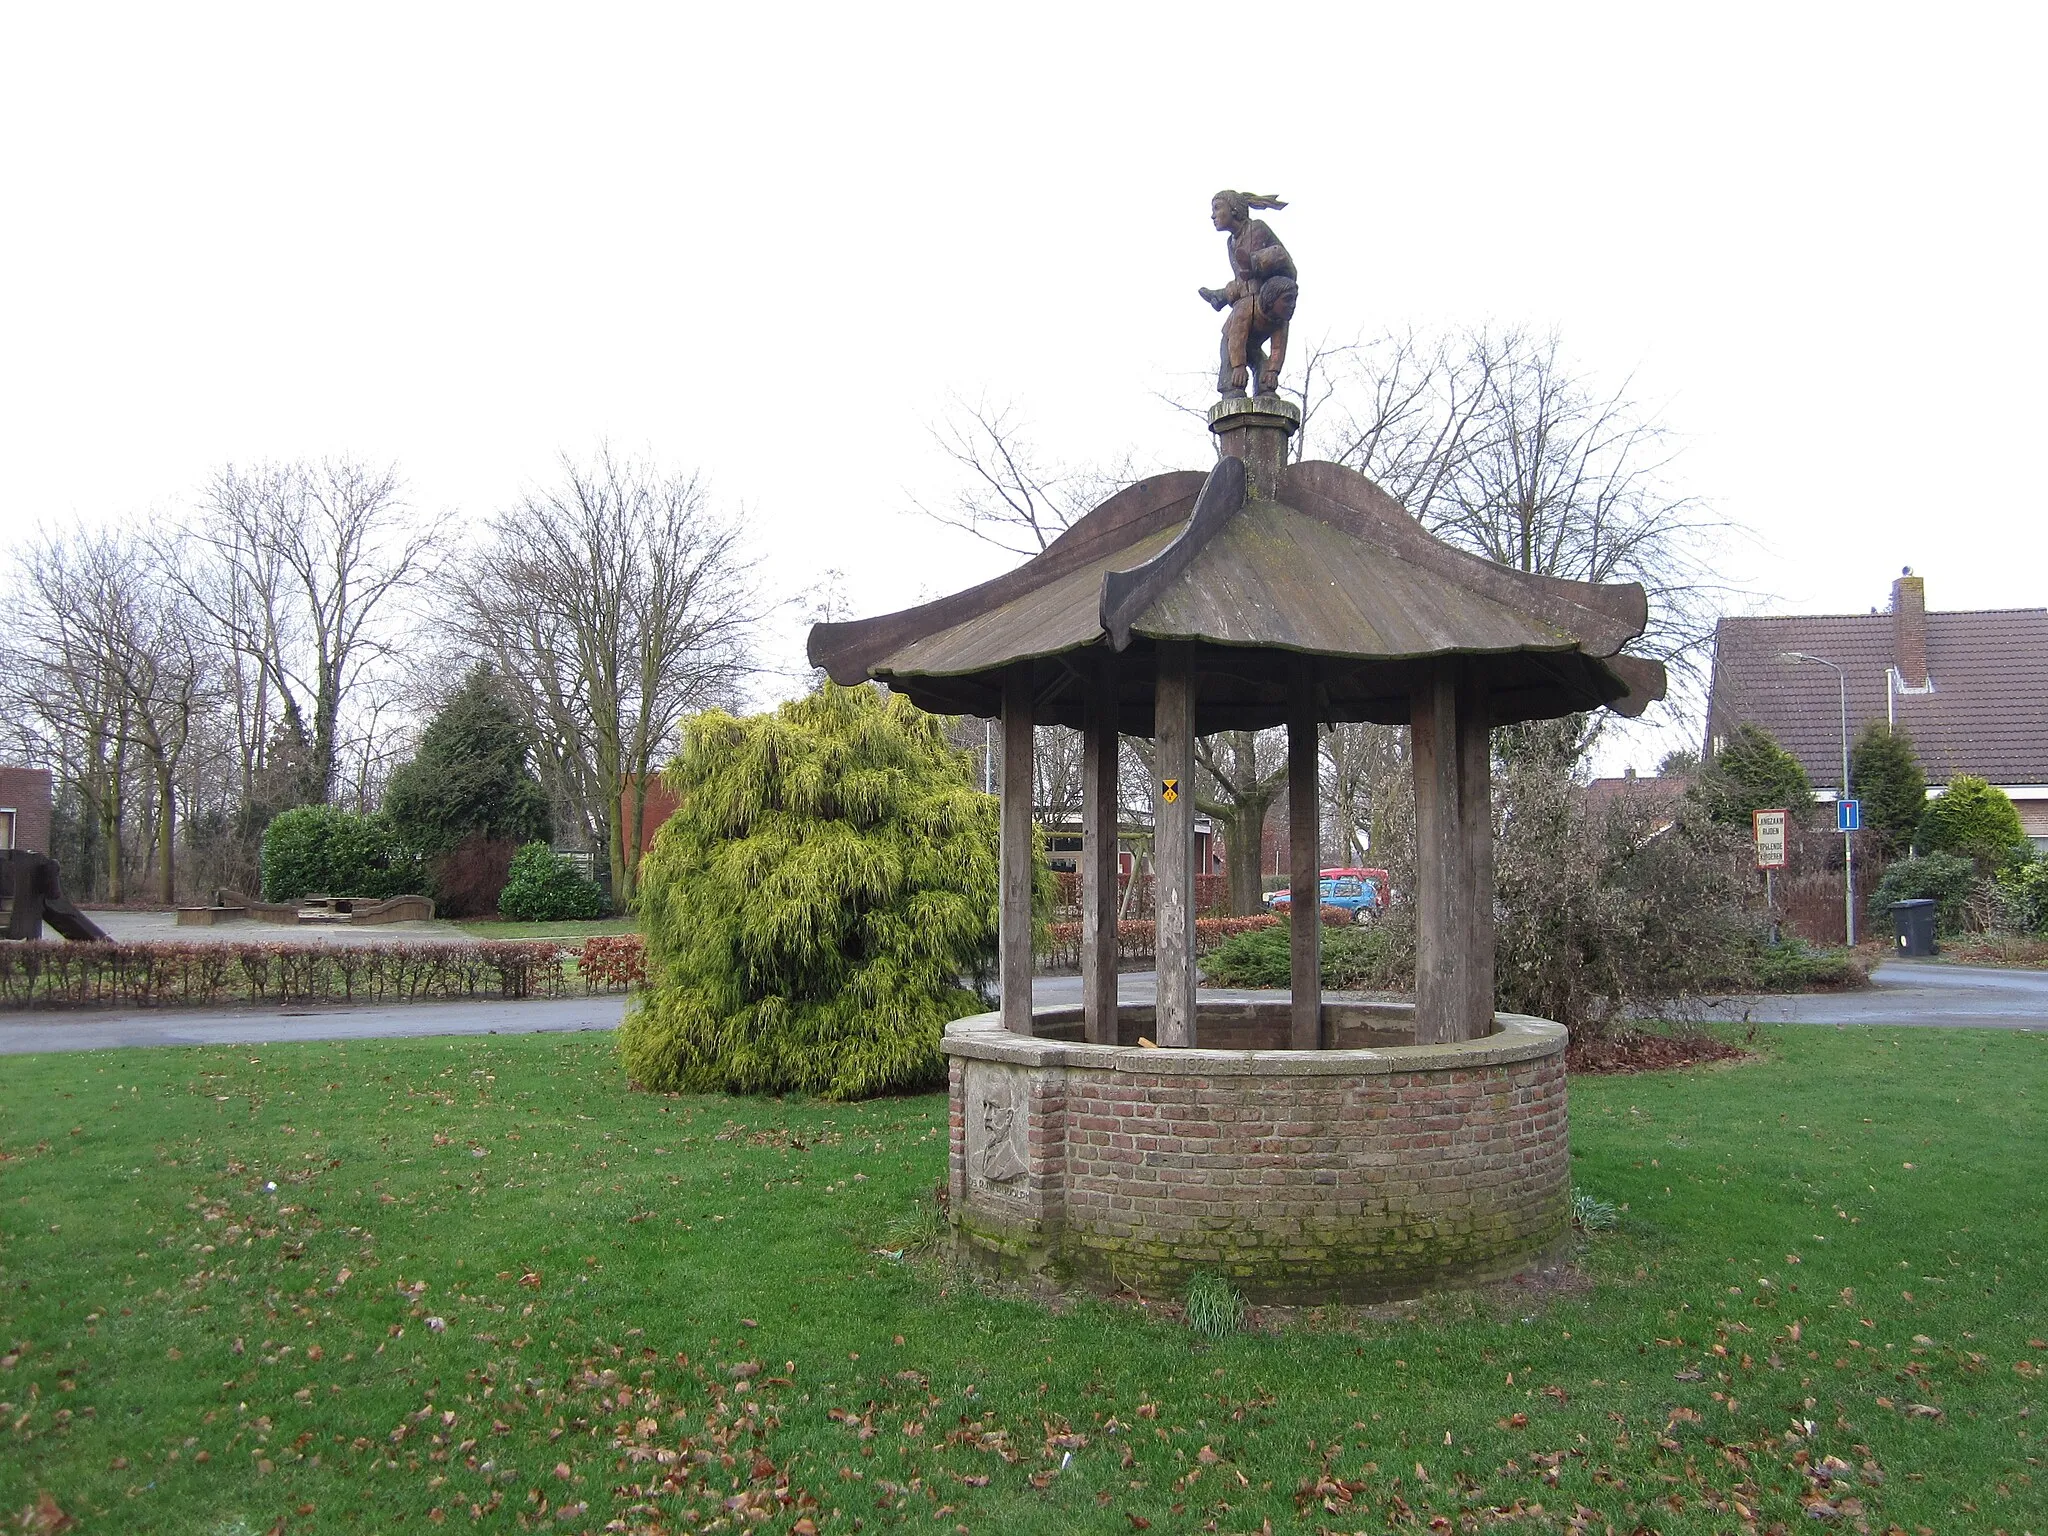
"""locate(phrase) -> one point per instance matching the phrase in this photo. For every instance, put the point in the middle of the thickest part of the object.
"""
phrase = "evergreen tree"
(1752, 772)
(811, 908)
(1886, 773)
(1973, 819)
(470, 776)
(1678, 763)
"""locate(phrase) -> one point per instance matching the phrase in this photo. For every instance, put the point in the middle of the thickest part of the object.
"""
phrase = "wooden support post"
(1099, 853)
(1475, 797)
(1173, 850)
(1304, 864)
(1454, 930)
(1014, 964)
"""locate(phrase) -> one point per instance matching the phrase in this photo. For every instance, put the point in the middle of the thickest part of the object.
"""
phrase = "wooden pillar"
(1475, 781)
(1173, 849)
(1098, 853)
(1014, 963)
(1304, 864)
(1454, 930)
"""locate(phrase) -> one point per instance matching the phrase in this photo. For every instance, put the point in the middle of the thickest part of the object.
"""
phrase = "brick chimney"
(1909, 629)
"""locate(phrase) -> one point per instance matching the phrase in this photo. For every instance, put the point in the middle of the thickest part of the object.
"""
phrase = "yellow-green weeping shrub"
(827, 881)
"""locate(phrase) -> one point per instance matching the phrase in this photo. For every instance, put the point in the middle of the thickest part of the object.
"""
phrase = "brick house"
(25, 802)
(1970, 689)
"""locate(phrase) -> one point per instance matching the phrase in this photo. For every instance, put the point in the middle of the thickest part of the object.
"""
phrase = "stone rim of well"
(1516, 1037)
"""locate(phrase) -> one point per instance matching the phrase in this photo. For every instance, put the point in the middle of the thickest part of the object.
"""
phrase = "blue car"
(1358, 897)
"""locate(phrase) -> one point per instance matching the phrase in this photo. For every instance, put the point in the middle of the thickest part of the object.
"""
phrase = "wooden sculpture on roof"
(1260, 295)
(1258, 594)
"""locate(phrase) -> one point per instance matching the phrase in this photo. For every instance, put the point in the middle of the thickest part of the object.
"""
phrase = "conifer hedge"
(811, 909)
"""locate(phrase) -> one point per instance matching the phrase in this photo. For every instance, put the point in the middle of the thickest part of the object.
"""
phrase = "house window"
(6, 827)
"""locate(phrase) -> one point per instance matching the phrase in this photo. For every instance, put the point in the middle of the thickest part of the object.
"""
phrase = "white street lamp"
(1848, 859)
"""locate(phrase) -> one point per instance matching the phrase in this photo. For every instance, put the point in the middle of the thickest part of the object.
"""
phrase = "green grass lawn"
(372, 1286)
(572, 929)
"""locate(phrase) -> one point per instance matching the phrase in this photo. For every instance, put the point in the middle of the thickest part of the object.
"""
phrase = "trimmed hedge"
(53, 974)
(318, 850)
(611, 962)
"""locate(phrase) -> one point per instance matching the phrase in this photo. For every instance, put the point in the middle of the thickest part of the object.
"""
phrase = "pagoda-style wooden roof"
(1330, 567)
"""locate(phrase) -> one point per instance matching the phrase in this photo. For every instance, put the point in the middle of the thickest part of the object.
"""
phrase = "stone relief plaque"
(998, 1125)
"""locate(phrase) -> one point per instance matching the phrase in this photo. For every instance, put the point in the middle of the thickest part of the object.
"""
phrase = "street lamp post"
(1848, 857)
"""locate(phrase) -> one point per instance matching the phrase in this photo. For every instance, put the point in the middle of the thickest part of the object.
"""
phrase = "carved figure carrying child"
(1261, 295)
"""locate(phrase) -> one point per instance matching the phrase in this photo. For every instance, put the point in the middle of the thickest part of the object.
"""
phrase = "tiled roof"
(1987, 711)
(1649, 790)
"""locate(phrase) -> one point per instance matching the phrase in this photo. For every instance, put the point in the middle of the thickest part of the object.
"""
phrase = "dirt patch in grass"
(1642, 1051)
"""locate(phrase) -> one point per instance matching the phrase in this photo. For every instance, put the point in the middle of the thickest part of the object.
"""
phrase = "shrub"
(1796, 966)
(1944, 878)
(827, 881)
(1974, 819)
(2025, 886)
(544, 887)
(1370, 958)
(1610, 911)
(319, 850)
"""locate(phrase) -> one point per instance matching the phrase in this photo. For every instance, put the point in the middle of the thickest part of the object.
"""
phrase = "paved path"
(139, 927)
(65, 1031)
(1906, 994)
(1914, 994)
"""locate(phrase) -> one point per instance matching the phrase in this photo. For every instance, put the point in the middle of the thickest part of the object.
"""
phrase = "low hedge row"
(611, 962)
(1134, 940)
(50, 974)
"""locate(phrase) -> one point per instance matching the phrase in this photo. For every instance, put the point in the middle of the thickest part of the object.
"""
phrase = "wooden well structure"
(1262, 593)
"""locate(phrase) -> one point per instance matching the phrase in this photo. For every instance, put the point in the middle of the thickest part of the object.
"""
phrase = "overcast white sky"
(767, 242)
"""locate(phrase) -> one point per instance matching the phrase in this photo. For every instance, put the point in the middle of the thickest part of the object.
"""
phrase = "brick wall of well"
(1298, 1186)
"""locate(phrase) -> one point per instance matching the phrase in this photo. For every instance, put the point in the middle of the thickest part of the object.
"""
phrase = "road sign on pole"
(1769, 829)
(1848, 815)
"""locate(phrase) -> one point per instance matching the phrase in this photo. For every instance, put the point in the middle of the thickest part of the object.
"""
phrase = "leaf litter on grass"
(570, 1330)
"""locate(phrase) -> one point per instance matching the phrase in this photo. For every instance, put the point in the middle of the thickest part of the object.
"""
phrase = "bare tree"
(1499, 443)
(1239, 775)
(115, 682)
(301, 568)
(1359, 762)
(614, 603)
(162, 668)
(1009, 494)
(70, 698)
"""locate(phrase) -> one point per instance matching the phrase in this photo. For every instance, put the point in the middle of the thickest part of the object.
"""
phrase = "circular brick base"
(1378, 1169)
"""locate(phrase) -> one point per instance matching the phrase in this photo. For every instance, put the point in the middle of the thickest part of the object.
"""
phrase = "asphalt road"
(81, 1031)
(1913, 993)
(1905, 994)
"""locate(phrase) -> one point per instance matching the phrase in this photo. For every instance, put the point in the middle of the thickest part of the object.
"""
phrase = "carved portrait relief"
(998, 1127)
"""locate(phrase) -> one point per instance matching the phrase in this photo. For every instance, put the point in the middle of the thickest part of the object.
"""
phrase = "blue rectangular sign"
(1848, 815)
